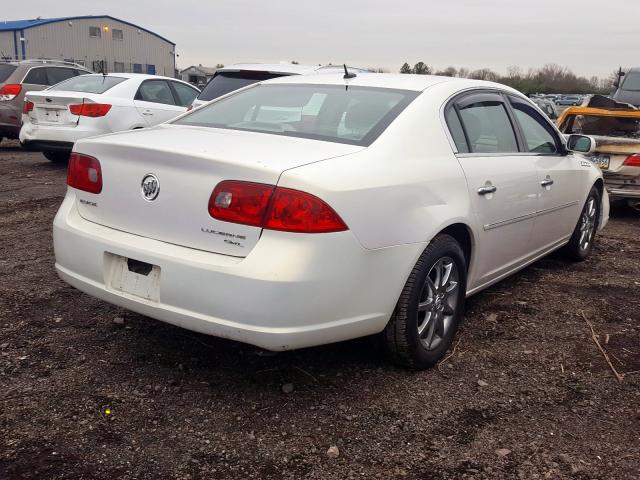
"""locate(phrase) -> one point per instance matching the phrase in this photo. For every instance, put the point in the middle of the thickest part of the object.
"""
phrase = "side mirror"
(616, 84)
(581, 143)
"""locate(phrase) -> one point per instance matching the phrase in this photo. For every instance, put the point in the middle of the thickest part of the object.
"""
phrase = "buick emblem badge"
(150, 187)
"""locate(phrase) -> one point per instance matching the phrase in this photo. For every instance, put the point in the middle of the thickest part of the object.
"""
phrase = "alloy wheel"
(438, 302)
(588, 224)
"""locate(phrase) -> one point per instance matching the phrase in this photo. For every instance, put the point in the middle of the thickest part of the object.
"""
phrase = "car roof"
(286, 68)
(143, 76)
(399, 81)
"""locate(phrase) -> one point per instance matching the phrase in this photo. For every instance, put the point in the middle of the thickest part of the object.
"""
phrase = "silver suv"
(20, 77)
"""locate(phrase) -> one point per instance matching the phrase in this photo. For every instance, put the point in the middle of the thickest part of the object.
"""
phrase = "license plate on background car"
(601, 160)
(52, 116)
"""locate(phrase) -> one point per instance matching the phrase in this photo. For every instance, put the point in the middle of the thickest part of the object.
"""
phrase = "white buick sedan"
(88, 105)
(307, 210)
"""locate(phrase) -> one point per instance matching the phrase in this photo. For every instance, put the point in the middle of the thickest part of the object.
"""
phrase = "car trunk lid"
(188, 162)
(52, 107)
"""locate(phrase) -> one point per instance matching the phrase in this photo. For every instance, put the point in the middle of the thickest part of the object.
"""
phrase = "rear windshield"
(6, 71)
(225, 82)
(631, 82)
(89, 84)
(357, 115)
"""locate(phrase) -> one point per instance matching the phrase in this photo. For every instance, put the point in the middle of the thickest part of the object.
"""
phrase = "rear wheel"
(56, 157)
(430, 307)
(584, 234)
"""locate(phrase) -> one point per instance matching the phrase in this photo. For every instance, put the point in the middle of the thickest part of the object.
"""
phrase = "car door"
(502, 183)
(561, 179)
(155, 102)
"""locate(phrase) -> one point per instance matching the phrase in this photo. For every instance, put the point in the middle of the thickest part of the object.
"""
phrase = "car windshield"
(226, 82)
(5, 71)
(632, 82)
(89, 84)
(357, 115)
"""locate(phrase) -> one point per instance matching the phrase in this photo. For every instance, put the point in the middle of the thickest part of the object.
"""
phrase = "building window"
(118, 67)
(117, 34)
(151, 69)
(95, 32)
(137, 68)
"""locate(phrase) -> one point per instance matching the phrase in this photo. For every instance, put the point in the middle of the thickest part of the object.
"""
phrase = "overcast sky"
(585, 35)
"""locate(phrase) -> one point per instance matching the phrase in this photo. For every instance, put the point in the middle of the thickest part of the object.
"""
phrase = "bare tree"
(464, 72)
(485, 74)
(421, 68)
(406, 68)
(448, 72)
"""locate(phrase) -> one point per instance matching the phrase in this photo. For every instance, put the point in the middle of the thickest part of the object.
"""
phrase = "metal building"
(89, 40)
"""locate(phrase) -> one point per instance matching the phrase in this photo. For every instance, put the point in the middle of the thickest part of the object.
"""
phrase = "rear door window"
(487, 124)
(155, 91)
(226, 82)
(37, 76)
(457, 133)
(185, 94)
(57, 75)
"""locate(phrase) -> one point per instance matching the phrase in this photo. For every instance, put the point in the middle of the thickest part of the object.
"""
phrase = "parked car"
(547, 107)
(569, 100)
(387, 201)
(19, 77)
(628, 87)
(234, 77)
(615, 128)
(55, 118)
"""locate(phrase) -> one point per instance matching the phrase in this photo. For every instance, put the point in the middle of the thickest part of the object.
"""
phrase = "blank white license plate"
(134, 277)
(601, 160)
(52, 116)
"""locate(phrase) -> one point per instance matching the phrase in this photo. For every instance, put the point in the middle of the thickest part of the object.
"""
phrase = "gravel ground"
(88, 390)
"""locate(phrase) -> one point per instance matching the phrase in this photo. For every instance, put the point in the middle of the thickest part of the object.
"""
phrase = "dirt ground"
(88, 390)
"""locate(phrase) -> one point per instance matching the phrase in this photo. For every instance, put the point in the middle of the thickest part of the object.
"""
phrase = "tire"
(428, 314)
(584, 234)
(56, 157)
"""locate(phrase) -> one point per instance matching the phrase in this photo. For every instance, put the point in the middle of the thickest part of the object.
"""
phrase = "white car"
(88, 105)
(386, 202)
(233, 77)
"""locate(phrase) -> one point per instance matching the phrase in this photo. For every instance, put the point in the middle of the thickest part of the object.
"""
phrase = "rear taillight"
(240, 202)
(27, 107)
(10, 91)
(84, 173)
(296, 211)
(272, 208)
(632, 160)
(189, 108)
(90, 109)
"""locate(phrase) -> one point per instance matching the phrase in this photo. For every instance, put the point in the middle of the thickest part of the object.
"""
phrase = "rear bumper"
(47, 145)
(48, 135)
(616, 193)
(291, 291)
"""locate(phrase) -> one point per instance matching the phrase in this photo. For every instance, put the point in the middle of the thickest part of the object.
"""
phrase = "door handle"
(547, 182)
(487, 189)
(147, 112)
